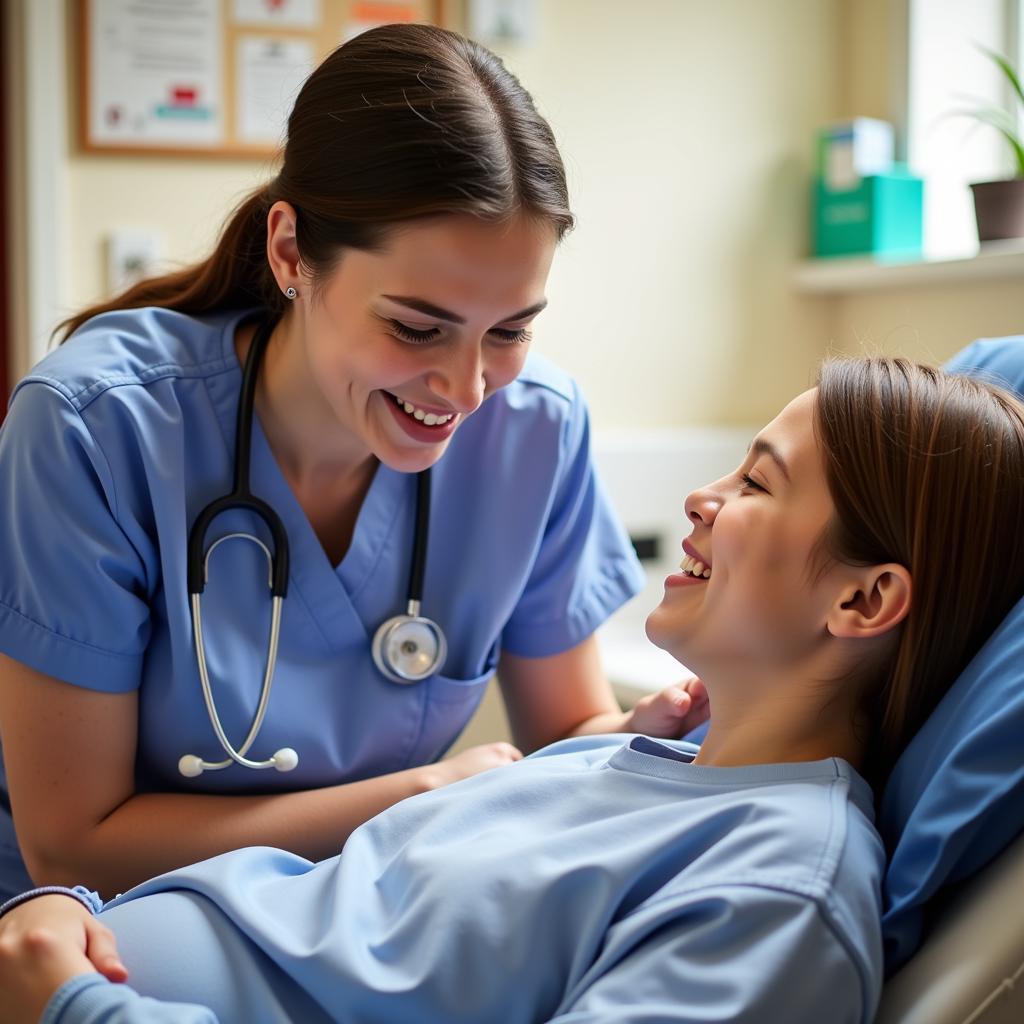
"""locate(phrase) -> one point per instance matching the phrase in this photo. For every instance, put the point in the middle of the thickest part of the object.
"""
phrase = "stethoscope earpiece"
(407, 648)
(191, 766)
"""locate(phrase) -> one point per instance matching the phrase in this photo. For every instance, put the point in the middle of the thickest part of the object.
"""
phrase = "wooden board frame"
(324, 38)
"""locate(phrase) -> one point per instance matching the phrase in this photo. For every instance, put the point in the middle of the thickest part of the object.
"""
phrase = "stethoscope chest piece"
(409, 648)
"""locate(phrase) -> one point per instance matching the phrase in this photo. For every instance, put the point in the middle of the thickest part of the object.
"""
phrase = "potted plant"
(999, 205)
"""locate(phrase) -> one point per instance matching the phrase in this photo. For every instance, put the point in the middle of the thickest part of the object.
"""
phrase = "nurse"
(394, 268)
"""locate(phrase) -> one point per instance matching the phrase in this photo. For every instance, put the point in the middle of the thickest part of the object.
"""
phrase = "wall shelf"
(841, 275)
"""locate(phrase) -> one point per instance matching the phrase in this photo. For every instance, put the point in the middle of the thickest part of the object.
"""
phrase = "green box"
(880, 217)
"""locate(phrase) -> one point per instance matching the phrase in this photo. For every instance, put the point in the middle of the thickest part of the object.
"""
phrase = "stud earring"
(290, 292)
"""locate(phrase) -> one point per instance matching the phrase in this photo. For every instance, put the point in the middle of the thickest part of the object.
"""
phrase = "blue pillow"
(1000, 360)
(956, 796)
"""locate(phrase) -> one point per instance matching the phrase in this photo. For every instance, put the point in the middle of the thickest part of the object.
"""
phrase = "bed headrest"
(956, 796)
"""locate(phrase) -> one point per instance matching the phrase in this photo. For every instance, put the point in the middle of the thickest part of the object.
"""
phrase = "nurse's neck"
(309, 444)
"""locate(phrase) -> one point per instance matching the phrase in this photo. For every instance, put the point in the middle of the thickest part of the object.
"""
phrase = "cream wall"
(183, 200)
(687, 128)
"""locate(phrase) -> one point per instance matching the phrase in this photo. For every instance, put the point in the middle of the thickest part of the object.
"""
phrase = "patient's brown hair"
(925, 469)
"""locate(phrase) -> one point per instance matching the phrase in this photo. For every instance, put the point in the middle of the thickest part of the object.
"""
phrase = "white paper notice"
(156, 73)
(282, 13)
(270, 74)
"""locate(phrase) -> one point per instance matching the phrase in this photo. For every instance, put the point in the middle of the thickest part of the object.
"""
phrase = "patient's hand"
(672, 712)
(44, 943)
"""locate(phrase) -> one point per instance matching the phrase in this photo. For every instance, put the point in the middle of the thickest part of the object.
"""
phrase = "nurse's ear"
(282, 245)
(873, 599)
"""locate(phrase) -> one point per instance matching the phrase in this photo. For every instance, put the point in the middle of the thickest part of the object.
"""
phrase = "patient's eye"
(750, 483)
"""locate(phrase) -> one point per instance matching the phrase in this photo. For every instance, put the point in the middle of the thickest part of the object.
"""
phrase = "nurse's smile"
(421, 423)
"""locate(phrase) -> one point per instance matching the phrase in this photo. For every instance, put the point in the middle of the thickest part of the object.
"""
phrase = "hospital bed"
(970, 970)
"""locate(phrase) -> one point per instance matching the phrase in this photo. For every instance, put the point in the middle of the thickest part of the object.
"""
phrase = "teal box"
(879, 217)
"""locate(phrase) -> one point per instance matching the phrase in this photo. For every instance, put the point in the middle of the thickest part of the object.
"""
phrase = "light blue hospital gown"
(603, 879)
(115, 442)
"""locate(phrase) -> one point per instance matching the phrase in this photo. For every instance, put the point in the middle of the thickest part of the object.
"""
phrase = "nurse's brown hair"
(926, 469)
(400, 123)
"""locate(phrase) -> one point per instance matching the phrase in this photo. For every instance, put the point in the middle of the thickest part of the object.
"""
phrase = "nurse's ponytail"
(400, 123)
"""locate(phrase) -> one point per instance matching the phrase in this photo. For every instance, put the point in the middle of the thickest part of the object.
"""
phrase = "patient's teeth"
(706, 573)
(430, 419)
(420, 414)
(408, 407)
(698, 568)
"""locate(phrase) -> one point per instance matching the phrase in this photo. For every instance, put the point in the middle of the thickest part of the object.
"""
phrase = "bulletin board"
(213, 77)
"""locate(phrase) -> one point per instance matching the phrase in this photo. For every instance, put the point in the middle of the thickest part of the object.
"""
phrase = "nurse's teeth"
(429, 419)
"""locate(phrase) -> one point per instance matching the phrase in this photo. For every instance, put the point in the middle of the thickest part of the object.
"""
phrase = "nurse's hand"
(672, 712)
(44, 943)
(476, 760)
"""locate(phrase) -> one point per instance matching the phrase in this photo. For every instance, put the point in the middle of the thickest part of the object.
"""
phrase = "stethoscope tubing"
(241, 496)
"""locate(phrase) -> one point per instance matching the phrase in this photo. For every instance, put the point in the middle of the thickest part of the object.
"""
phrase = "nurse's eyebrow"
(422, 306)
(763, 447)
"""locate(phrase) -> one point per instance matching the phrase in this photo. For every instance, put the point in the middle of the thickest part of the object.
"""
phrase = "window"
(947, 71)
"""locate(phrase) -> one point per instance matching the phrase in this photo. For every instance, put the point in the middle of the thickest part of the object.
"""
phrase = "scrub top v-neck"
(118, 438)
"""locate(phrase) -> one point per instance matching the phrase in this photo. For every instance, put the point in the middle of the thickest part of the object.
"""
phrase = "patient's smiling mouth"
(694, 564)
(694, 567)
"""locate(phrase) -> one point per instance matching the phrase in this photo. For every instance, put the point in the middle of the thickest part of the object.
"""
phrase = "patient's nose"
(702, 506)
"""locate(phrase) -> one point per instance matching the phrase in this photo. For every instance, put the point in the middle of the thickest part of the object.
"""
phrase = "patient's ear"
(876, 599)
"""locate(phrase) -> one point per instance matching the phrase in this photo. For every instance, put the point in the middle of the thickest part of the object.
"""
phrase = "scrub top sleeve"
(585, 568)
(747, 955)
(91, 999)
(73, 592)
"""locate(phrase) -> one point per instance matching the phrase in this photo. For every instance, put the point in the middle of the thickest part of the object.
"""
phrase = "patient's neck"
(769, 721)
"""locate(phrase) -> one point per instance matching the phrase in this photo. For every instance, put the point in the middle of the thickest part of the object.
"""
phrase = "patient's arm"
(44, 943)
(52, 943)
(748, 956)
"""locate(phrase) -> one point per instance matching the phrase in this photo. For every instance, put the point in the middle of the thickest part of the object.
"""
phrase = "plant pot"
(999, 209)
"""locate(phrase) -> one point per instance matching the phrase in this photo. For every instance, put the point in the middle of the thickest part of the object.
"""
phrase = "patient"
(831, 590)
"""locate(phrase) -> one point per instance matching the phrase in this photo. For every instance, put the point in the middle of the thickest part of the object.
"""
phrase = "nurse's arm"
(70, 752)
(568, 694)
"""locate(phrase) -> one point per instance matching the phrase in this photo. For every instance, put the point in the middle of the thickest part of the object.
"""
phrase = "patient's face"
(758, 603)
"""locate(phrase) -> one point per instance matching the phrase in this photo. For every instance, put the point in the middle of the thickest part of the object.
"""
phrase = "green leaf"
(1002, 123)
(1007, 69)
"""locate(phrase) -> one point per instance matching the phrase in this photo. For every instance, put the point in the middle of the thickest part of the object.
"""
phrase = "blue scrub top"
(115, 442)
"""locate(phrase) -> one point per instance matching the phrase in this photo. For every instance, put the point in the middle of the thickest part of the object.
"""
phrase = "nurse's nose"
(461, 380)
(703, 505)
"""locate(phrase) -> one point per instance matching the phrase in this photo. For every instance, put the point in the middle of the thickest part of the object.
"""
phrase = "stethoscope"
(406, 648)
